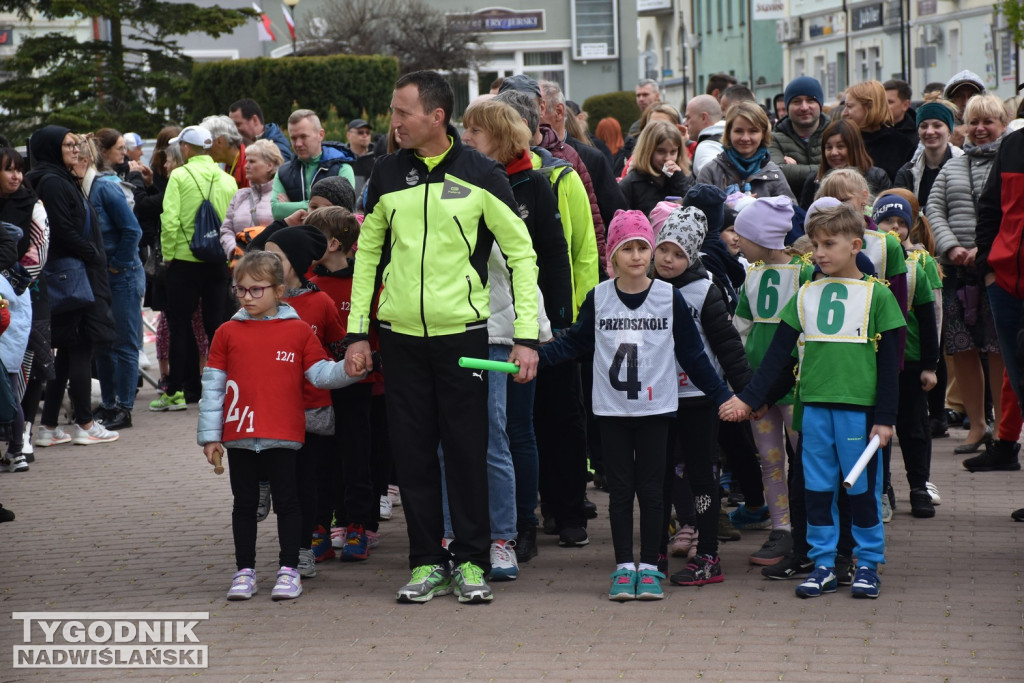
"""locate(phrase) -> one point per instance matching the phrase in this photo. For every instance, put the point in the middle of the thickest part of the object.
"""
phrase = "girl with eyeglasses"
(252, 403)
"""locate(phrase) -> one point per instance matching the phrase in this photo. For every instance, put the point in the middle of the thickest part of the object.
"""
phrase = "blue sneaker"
(648, 585)
(321, 545)
(821, 580)
(623, 585)
(865, 583)
(357, 545)
(744, 517)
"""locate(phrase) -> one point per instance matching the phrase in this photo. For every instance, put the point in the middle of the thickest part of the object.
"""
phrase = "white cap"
(132, 140)
(194, 135)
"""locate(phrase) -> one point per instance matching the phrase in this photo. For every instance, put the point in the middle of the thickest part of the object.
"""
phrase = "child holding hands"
(253, 404)
(629, 322)
(848, 384)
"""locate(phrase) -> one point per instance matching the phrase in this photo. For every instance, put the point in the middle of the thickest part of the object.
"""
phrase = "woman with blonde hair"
(867, 106)
(968, 327)
(745, 161)
(497, 130)
(660, 168)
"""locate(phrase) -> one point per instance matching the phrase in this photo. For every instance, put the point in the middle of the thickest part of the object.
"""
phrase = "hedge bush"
(354, 86)
(620, 105)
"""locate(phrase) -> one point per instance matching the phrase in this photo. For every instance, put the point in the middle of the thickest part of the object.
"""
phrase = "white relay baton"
(862, 462)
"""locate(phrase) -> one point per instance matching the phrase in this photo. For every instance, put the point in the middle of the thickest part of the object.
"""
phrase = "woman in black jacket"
(660, 168)
(494, 128)
(75, 233)
(867, 106)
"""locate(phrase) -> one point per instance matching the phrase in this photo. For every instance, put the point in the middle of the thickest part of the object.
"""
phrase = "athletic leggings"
(769, 435)
(246, 469)
(634, 464)
(693, 444)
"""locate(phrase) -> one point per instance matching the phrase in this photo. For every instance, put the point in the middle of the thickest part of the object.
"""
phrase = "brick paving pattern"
(144, 525)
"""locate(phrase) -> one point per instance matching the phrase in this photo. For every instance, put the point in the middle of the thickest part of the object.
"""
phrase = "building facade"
(683, 42)
(921, 41)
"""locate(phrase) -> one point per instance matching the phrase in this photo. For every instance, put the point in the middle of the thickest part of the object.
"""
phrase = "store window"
(546, 66)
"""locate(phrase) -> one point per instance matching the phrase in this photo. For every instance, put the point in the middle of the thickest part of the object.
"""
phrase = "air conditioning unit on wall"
(933, 34)
(788, 30)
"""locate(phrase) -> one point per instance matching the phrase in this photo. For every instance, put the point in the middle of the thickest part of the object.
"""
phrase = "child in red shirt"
(252, 402)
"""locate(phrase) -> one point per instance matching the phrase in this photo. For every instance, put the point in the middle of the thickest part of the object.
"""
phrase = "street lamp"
(291, 10)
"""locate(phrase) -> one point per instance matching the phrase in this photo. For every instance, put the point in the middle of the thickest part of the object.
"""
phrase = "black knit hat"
(335, 189)
(710, 200)
(302, 244)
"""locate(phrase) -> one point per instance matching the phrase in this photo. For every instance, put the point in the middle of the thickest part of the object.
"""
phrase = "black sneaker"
(116, 419)
(6, 515)
(778, 545)
(921, 503)
(589, 509)
(573, 536)
(999, 456)
(790, 567)
(953, 418)
(1017, 515)
(939, 430)
(844, 570)
(701, 570)
(526, 543)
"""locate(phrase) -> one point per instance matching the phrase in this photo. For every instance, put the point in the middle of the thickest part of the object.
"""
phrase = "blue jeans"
(1006, 313)
(522, 442)
(118, 364)
(501, 480)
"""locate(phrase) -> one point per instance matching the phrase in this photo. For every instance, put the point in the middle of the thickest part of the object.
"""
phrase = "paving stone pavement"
(144, 525)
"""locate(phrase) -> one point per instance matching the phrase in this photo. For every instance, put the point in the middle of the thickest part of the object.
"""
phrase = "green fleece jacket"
(188, 185)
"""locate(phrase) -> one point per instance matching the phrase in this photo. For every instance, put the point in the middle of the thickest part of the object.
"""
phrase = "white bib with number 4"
(634, 359)
(835, 310)
(769, 288)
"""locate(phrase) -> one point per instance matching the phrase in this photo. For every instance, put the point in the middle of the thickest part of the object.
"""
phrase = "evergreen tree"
(133, 80)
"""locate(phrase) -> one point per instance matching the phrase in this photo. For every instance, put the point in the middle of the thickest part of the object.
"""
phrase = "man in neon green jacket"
(190, 280)
(434, 210)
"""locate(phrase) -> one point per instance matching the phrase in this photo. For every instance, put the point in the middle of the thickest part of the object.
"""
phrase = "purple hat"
(766, 221)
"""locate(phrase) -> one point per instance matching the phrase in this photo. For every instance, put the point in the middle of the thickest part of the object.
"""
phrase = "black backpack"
(205, 244)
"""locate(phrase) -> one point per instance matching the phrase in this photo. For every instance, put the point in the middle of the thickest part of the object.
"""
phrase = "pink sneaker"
(684, 543)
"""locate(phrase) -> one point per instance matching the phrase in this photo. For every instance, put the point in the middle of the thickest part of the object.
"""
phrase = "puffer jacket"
(560, 150)
(952, 205)
(786, 143)
(909, 175)
(768, 182)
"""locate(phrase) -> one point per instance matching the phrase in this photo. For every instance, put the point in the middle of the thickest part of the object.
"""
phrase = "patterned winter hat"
(686, 228)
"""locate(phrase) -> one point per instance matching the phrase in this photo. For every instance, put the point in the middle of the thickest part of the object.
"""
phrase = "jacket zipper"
(462, 232)
(423, 252)
(469, 297)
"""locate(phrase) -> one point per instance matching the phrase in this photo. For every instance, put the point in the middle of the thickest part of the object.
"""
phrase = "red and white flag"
(288, 20)
(263, 30)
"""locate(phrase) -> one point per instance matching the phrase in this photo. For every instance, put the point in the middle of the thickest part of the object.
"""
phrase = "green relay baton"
(489, 365)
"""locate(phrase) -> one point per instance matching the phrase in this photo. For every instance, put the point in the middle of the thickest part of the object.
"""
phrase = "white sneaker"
(17, 463)
(504, 566)
(886, 509)
(307, 563)
(385, 507)
(51, 437)
(144, 362)
(933, 491)
(95, 434)
(394, 496)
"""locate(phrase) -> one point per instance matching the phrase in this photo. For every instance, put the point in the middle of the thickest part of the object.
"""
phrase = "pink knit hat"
(659, 213)
(626, 226)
